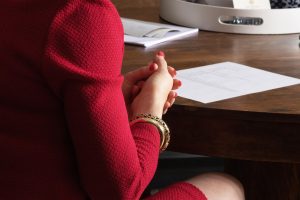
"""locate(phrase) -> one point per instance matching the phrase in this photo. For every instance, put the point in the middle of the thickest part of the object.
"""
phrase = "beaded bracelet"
(161, 126)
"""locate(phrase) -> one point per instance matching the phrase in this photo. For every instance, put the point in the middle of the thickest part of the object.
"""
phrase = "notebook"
(147, 34)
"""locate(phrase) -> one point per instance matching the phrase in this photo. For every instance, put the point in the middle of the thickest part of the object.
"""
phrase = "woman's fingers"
(140, 84)
(153, 67)
(176, 84)
(165, 111)
(137, 88)
(160, 61)
(170, 101)
(141, 74)
(172, 71)
(172, 96)
(166, 107)
(135, 91)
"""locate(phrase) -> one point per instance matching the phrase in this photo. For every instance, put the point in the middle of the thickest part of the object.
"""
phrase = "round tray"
(231, 20)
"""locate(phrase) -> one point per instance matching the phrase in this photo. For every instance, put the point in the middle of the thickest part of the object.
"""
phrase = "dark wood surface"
(261, 131)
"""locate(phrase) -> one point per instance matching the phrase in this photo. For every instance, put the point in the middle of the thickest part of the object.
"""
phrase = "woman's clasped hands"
(151, 89)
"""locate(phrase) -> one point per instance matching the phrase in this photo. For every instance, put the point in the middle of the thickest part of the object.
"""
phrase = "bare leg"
(218, 186)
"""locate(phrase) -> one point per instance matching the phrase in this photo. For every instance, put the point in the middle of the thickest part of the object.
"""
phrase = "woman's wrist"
(148, 102)
(159, 124)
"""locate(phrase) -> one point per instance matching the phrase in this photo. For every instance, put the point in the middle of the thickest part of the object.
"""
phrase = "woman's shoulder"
(88, 35)
(89, 9)
(86, 24)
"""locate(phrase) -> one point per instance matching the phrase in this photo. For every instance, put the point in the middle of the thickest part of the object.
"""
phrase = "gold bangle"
(164, 130)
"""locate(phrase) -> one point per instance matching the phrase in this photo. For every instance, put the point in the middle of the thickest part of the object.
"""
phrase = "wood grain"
(122, 4)
(264, 180)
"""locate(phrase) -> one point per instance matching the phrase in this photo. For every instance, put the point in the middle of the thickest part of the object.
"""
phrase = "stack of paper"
(149, 33)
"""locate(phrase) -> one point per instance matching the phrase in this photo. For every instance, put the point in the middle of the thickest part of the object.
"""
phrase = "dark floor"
(173, 167)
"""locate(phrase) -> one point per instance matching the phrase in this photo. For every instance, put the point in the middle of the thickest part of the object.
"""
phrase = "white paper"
(227, 80)
(149, 33)
(252, 4)
(138, 28)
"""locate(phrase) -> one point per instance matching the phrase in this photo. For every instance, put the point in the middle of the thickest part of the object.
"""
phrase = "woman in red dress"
(64, 108)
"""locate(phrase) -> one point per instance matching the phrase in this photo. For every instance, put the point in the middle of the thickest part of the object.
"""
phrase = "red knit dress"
(64, 131)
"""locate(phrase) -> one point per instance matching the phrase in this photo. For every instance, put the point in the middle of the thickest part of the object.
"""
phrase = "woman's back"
(36, 154)
(36, 151)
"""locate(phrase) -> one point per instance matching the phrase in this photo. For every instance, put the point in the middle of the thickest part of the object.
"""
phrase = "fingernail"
(161, 53)
(179, 83)
(151, 67)
(175, 95)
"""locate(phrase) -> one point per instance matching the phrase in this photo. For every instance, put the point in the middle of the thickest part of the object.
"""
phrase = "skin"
(150, 89)
(218, 186)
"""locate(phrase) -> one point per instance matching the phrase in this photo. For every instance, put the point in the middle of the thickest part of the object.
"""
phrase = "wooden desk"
(258, 134)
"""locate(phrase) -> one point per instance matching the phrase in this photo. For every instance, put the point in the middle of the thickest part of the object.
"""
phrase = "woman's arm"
(82, 66)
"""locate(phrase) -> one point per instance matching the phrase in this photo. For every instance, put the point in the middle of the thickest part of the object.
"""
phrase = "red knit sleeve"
(82, 66)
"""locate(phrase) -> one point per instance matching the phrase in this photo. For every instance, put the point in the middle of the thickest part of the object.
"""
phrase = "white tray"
(220, 19)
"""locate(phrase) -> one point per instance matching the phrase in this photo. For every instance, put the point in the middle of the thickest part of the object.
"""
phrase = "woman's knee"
(219, 186)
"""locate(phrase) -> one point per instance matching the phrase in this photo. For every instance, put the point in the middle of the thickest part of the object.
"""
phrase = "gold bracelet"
(164, 130)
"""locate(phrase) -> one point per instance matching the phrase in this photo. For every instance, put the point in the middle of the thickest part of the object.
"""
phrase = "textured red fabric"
(64, 131)
(178, 191)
